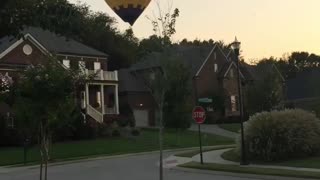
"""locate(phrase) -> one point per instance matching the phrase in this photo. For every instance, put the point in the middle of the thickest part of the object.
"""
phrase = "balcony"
(101, 75)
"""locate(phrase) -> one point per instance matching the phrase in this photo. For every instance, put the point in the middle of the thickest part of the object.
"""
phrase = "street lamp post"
(236, 48)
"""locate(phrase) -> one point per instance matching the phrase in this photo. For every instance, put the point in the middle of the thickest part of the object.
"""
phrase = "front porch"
(101, 99)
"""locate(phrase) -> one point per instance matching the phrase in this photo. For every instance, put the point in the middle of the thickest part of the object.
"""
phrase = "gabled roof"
(52, 43)
(216, 46)
(226, 68)
(192, 56)
(305, 85)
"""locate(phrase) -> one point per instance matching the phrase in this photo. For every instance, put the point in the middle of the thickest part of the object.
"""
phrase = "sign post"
(199, 115)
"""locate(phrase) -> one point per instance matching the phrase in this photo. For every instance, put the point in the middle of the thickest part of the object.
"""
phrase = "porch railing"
(109, 110)
(95, 114)
(103, 75)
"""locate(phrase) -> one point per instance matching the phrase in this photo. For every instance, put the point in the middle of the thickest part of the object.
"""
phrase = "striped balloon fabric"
(128, 10)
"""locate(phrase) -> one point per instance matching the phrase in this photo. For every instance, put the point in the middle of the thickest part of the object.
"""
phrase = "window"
(231, 72)
(66, 63)
(234, 103)
(215, 67)
(97, 66)
(10, 121)
(152, 76)
(82, 66)
(215, 55)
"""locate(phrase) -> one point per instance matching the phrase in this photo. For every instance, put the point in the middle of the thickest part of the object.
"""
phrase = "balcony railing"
(103, 75)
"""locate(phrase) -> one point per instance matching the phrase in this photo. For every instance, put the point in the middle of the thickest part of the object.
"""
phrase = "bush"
(280, 135)
(116, 133)
(135, 132)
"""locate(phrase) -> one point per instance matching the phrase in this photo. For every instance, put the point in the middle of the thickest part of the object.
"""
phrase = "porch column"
(102, 98)
(117, 99)
(87, 95)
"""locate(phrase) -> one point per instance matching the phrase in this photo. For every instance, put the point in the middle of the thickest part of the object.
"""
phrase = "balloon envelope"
(128, 10)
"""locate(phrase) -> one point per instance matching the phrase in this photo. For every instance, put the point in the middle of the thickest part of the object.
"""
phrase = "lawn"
(252, 170)
(230, 127)
(307, 162)
(147, 141)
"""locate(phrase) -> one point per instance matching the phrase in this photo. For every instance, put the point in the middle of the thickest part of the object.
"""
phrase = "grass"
(230, 127)
(192, 153)
(252, 170)
(306, 162)
(147, 141)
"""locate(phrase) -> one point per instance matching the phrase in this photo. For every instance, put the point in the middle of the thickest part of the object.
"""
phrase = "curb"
(88, 158)
(231, 174)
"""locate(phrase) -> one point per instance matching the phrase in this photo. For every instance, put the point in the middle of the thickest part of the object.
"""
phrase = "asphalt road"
(142, 167)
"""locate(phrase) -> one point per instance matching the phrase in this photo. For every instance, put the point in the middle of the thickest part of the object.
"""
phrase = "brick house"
(98, 98)
(133, 92)
(213, 74)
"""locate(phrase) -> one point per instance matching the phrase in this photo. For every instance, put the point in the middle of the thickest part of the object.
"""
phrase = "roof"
(129, 83)
(262, 70)
(305, 85)
(192, 56)
(53, 43)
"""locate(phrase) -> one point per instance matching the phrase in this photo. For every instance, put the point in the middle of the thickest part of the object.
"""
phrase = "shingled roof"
(53, 43)
(192, 56)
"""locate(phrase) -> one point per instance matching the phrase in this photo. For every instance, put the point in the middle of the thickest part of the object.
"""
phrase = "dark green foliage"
(281, 135)
(127, 117)
(116, 133)
(135, 132)
(267, 91)
(177, 100)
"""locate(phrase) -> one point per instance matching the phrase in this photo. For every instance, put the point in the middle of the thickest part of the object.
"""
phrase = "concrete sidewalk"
(215, 157)
(214, 129)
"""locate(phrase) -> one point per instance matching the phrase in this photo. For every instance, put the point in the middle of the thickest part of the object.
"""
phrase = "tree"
(45, 95)
(59, 16)
(164, 28)
(267, 91)
(177, 109)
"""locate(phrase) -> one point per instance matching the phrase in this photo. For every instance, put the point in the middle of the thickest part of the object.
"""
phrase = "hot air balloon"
(128, 10)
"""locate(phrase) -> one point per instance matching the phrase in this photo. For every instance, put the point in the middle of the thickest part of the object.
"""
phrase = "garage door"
(141, 117)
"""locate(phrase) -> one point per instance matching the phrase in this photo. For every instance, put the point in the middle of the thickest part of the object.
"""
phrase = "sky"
(264, 27)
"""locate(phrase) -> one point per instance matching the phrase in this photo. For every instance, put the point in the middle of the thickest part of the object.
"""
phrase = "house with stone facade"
(98, 98)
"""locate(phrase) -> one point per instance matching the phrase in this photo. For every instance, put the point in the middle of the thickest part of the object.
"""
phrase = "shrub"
(280, 135)
(135, 132)
(116, 133)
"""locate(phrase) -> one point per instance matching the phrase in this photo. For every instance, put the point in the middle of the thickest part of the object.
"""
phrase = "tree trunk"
(161, 142)
(41, 150)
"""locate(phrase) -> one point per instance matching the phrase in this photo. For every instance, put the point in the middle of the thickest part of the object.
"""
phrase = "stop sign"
(199, 114)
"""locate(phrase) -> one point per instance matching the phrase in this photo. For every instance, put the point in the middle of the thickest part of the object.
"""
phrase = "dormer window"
(66, 63)
(215, 68)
